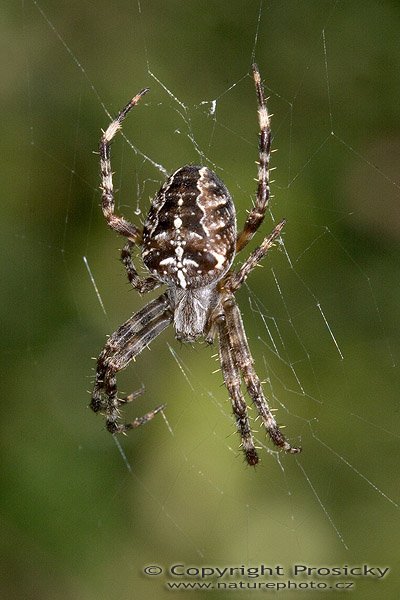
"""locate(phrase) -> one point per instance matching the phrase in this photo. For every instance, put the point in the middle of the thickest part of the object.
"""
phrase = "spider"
(188, 243)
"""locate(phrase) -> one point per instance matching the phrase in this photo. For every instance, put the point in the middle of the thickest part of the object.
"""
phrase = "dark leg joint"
(114, 427)
(279, 440)
(252, 457)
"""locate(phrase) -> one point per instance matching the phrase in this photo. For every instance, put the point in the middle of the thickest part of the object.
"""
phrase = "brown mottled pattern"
(192, 211)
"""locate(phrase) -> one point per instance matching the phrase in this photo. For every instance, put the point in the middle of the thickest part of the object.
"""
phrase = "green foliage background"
(77, 522)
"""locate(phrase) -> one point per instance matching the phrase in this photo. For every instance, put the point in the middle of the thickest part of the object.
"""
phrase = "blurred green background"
(81, 519)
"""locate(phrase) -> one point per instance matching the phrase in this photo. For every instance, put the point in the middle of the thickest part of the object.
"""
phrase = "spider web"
(318, 314)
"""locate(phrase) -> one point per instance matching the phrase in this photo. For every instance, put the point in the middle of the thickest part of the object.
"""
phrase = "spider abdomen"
(189, 236)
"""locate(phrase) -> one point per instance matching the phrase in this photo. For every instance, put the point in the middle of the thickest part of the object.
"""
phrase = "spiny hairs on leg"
(119, 224)
(237, 278)
(142, 285)
(257, 213)
(123, 346)
(115, 125)
(232, 383)
(245, 363)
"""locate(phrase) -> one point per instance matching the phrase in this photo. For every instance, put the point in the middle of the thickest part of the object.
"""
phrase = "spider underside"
(188, 243)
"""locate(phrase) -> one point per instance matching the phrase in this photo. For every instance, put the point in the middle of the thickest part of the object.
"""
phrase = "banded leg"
(126, 343)
(119, 224)
(141, 285)
(236, 278)
(257, 213)
(244, 360)
(232, 382)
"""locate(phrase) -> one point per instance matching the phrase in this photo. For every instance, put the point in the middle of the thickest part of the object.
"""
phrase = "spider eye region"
(189, 236)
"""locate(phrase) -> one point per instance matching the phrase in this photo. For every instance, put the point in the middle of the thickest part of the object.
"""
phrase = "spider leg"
(232, 382)
(257, 213)
(119, 224)
(244, 360)
(236, 278)
(122, 346)
(141, 285)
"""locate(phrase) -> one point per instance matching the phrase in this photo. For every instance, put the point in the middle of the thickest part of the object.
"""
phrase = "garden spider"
(188, 242)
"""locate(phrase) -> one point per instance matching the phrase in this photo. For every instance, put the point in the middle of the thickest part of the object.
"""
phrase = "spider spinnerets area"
(188, 243)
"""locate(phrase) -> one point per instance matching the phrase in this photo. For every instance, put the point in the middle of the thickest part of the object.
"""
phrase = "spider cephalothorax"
(188, 243)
